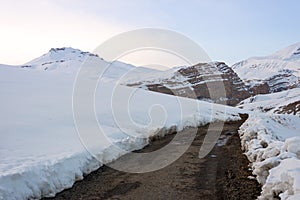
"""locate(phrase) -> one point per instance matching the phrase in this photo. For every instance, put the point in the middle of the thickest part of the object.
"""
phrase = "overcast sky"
(228, 30)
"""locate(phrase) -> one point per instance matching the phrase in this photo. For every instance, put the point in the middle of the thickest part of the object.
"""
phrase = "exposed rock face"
(262, 88)
(206, 81)
(276, 83)
(283, 81)
(292, 108)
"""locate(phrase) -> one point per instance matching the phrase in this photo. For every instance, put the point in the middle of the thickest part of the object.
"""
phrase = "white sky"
(29, 31)
(229, 30)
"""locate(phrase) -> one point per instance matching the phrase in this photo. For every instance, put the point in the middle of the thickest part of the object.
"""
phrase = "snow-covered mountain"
(69, 60)
(274, 73)
(187, 81)
(209, 81)
(66, 58)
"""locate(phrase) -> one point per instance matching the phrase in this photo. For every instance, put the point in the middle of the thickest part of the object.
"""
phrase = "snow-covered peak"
(67, 53)
(290, 53)
(280, 70)
(67, 59)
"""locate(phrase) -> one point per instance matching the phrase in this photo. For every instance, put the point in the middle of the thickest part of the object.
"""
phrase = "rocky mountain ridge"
(214, 81)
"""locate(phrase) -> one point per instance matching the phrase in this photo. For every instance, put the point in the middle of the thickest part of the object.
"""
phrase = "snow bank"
(40, 151)
(272, 145)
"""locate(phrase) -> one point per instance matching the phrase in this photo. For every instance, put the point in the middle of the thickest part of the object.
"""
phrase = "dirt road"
(223, 174)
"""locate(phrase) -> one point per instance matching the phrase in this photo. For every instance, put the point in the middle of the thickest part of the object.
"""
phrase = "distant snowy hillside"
(274, 73)
(285, 102)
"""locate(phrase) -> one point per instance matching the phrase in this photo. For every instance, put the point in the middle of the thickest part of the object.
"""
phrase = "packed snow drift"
(271, 143)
